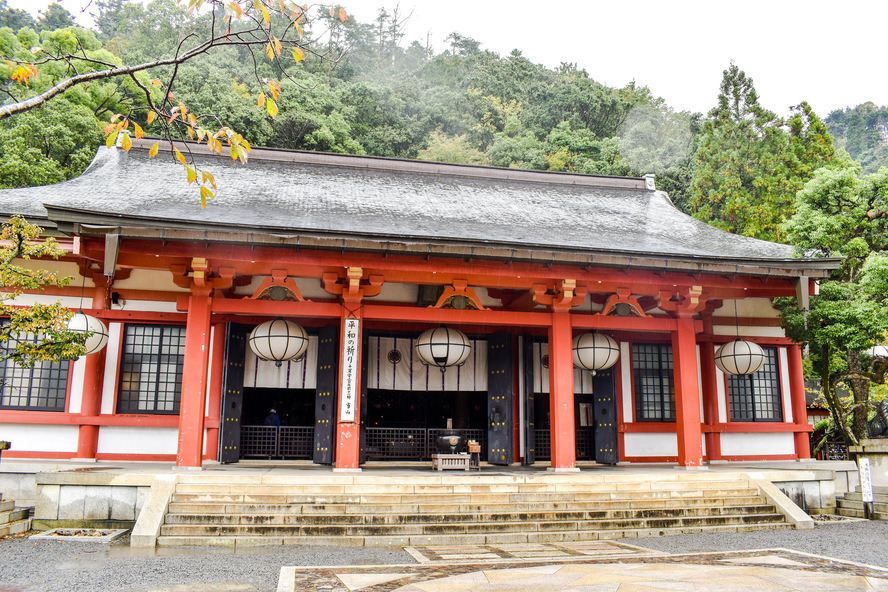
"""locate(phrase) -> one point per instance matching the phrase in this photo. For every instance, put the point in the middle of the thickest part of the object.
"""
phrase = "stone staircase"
(400, 510)
(852, 503)
(13, 521)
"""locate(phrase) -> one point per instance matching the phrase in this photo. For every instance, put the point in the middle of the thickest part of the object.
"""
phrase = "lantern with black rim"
(278, 340)
(740, 357)
(595, 351)
(96, 331)
(443, 347)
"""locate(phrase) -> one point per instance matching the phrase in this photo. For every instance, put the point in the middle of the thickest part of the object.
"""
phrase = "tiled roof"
(286, 192)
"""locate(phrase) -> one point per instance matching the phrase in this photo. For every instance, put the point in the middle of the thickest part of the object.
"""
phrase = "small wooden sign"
(866, 479)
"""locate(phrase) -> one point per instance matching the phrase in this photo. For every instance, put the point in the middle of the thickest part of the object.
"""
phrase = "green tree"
(750, 162)
(839, 214)
(454, 149)
(21, 242)
(54, 17)
(14, 18)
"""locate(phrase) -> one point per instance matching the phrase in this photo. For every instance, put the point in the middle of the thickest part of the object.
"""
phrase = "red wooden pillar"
(194, 380)
(93, 378)
(687, 394)
(710, 399)
(561, 395)
(348, 419)
(799, 405)
(215, 391)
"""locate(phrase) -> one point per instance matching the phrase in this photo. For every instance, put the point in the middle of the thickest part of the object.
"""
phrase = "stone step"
(473, 539)
(452, 509)
(17, 527)
(366, 530)
(855, 513)
(858, 505)
(858, 497)
(290, 518)
(6, 505)
(13, 515)
(401, 499)
(447, 489)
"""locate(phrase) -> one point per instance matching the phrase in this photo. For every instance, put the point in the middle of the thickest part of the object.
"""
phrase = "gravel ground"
(49, 566)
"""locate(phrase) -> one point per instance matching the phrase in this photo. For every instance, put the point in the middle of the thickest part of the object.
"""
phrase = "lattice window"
(654, 382)
(151, 369)
(42, 387)
(757, 397)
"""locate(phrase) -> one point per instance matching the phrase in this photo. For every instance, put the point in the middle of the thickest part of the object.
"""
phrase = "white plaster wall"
(149, 279)
(109, 381)
(394, 292)
(66, 301)
(75, 400)
(147, 306)
(755, 444)
(626, 381)
(748, 331)
(645, 444)
(783, 363)
(748, 307)
(40, 438)
(136, 440)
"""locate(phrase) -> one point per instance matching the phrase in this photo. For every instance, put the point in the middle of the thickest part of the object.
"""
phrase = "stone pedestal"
(876, 450)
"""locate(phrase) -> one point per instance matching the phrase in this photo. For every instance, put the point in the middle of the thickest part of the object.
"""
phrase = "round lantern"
(443, 347)
(595, 351)
(740, 357)
(96, 330)
(278, 340)
(877, 351)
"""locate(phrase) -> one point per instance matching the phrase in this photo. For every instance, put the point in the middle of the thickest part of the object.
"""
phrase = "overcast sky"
(831, 54)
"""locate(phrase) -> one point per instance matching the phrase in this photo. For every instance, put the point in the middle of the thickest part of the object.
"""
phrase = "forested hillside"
(365, 89)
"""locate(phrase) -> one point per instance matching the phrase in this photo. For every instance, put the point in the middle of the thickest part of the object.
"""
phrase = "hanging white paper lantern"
(278, 340)
(877, 351)
(595, 351)
(740, 357)
(84, 323)
(443, 347)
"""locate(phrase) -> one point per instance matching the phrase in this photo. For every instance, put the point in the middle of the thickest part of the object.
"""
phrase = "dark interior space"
(294, 406)
(415, 409)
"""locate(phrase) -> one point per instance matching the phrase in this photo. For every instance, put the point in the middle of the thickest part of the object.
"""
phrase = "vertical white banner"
(866, 479)
(348, 392)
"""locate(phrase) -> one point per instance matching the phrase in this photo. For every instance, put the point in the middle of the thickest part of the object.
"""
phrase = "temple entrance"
(403, 425)
(293, 439)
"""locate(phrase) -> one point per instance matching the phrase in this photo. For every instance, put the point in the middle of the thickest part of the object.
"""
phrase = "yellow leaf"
(278, 48)
(332, 10)
(192, 174)
(191, 132)
(234, 152)
(126, 143)
(208, 177)
(269, 51)
(298, 54)
(179, 157)
(272, 107)
(112, 137)
(153, 152)
(156, 82)
(204, 194)
(265, 15)
(151, 116)
(261, 100)
(343, 16)
(138, 130)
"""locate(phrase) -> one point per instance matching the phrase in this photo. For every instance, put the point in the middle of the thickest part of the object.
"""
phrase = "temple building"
(379, 265)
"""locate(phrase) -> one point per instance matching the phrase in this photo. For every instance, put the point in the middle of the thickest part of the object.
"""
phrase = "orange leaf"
(139, 133)
(332, 11)
(126, 143)
(275, 89)
(343, 16)
(278, 48)
(151, 116)
(261, 100)
(191, 132)
(108, 129)
(153, 152)
(115, 117)
(156, 82)
(208, 177)
(272, 108)
(204, 194)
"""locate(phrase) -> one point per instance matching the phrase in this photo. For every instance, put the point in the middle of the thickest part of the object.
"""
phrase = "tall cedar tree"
(750, 163)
